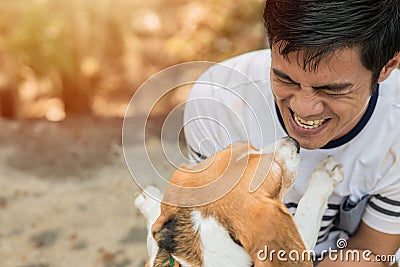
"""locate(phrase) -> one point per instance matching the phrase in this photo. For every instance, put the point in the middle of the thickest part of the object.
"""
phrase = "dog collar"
(171, 261)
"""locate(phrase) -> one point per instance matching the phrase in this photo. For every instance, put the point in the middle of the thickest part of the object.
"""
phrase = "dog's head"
(233, 200)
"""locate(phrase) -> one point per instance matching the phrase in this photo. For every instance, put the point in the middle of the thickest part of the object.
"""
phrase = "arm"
(367, 238)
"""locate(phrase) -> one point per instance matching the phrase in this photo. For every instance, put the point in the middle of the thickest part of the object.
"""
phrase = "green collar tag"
(171, 261)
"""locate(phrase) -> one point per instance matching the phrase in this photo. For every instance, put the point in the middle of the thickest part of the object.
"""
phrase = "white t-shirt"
(232, 101)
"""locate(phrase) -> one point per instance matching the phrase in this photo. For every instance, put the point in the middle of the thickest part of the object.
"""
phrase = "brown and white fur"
(232, 229)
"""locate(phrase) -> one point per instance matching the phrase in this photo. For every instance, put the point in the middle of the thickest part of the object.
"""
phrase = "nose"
(306, 103)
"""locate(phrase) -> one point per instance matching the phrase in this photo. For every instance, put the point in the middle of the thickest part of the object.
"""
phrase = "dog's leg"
(315, 200)
(148, 202)
(149, 206)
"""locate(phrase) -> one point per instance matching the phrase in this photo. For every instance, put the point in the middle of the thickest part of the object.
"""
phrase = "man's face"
(321, 106)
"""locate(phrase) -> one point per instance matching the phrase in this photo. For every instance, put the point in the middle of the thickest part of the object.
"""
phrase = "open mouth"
(308, 124)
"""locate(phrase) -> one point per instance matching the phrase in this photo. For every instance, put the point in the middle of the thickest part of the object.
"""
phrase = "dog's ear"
(164, 237)
(275, 229)
(175, 234)
(167, 213)
(162, 259)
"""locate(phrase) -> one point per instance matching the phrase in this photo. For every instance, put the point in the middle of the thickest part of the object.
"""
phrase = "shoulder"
(383, 129)
(390, 88)
(241, 70)
(237, 82)
(229, 102)
(254, 64)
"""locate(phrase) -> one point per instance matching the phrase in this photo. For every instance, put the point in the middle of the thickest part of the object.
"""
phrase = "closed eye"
(331, 89)
(334, 88)
(335, 92)
(286, 82)
(335, 95)
(283, 78)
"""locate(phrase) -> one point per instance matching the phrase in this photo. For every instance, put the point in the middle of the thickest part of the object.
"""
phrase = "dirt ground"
(66, 195)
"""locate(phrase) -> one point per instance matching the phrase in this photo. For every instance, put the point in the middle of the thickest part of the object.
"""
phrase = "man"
(330, 81)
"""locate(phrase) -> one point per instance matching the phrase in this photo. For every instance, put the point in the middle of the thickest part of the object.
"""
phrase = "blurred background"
(62, 58)
(68, 70)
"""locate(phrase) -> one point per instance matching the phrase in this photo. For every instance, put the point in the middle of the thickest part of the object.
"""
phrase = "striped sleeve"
(385, 205)
(383, 214)
(383, 210)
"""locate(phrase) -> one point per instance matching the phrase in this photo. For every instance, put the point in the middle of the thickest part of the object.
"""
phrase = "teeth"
(308, 124)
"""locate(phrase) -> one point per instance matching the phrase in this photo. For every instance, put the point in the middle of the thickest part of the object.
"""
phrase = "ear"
(389, 67)
(162, 258)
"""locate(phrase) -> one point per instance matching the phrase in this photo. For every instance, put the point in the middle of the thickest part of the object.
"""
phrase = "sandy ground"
(66, 196)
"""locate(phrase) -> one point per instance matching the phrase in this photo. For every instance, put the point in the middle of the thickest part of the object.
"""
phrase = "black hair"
(320, 27)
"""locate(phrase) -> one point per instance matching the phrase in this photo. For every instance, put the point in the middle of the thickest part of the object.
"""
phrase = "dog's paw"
(148, 202)
(331, 169)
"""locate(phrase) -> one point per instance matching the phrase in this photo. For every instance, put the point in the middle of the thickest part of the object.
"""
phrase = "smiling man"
(330, 81)
(322, 105)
